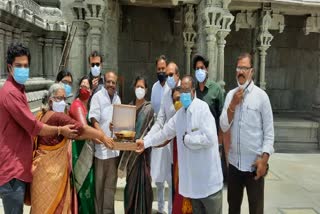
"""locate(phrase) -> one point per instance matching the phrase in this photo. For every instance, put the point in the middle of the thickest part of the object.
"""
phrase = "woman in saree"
(50, 187)
(138, 195)
(83, 151)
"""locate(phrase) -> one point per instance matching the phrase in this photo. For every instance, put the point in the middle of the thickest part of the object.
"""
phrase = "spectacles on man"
(243, 68)
(95, 64)
(186, 90)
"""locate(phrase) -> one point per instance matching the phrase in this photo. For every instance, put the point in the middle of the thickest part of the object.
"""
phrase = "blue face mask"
(171, 82)
(201, 75)
(68, 89)
(21, 75)
(185, 99)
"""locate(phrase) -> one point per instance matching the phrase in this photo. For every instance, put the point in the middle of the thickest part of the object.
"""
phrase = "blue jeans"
(12, 195)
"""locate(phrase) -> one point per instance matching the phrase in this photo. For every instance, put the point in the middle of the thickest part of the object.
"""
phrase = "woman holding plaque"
(138, 195)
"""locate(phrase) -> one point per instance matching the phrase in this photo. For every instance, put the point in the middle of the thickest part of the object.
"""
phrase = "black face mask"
(162, 77)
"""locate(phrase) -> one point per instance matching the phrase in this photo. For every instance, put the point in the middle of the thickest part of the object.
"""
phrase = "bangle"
(59, 130)
(230, 109)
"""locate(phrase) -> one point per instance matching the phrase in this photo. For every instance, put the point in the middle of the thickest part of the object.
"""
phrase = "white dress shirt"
(252, 131)
(200, 173)
(156, 95)
(161, 157)
(101, 108)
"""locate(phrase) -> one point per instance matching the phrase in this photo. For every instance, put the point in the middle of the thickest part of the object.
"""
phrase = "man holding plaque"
(106, 160)
(200, 174)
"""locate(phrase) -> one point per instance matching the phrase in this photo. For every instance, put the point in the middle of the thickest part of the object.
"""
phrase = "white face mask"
(58, 106)
(243, 86)
(140, 93)
(95, 71)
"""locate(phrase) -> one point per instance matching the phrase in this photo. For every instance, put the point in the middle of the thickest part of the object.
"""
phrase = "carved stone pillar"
(222, 34)
(26, 38)
(8, 39)
(16, 35)
(94, 11)
(58, 47)
(212, 17)
(40, 53)
(189, 35)
(3, 64)
(264, 39)
(48, 58)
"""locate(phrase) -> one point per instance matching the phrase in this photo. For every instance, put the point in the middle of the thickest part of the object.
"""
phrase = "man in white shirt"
(247, 111)
(161, 158)
(200, 174)
(106, 160)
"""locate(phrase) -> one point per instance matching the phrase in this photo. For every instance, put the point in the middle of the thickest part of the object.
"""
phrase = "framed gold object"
(124, 122)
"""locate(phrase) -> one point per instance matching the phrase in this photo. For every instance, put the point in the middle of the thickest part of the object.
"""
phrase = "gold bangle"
(59, 130)
(230, 109)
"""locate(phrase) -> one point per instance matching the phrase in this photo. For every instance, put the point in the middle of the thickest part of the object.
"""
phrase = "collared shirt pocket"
(252, 116)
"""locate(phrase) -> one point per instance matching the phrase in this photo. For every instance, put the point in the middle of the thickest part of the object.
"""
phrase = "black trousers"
(237, 181)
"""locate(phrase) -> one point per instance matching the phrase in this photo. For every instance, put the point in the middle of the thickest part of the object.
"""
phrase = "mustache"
(241, 75)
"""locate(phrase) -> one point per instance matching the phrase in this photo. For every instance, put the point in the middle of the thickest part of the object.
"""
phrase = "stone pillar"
(211, 30)
(16, 35)
(94, 18)
(40, 53)
(222, 34)
(48, 58)
(8, 39)
(77, 56)
(58, 47)
(26, 38)
(264, 39)
(3, 64)
(189, 35)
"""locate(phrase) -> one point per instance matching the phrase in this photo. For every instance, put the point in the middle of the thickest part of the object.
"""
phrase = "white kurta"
(200, 173)
(161, 158)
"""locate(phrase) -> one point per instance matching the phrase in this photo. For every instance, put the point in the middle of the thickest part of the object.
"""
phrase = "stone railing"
(48, 18)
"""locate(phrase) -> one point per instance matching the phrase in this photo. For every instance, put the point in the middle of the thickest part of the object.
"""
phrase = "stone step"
(296, 134)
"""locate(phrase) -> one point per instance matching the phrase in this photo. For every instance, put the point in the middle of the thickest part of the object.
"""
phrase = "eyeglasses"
(59, 98)
(95, 64)
(170, 75)
(186, 90)
(238, 69)
(66, 82)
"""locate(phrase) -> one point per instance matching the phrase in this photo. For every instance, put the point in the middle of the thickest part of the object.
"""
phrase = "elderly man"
(200, 174)
(247, 112)
(17, 127)
(106, 160)
(162, 157)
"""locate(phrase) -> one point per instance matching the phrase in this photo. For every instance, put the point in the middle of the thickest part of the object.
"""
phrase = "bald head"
(110, 82)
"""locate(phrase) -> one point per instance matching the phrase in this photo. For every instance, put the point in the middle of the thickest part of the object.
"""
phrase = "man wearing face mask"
(106, 160)
(207, 90)
(247, 112)
(200, 174)
(161, 158)
(18, 126)
(95, 62)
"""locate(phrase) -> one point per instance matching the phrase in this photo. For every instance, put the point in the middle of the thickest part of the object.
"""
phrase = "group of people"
(63, 161)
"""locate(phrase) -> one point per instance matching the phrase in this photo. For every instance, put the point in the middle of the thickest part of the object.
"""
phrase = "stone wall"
(145, 34)
(292, 64)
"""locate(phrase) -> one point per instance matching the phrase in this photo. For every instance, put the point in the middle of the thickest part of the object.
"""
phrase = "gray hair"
(51, 92)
